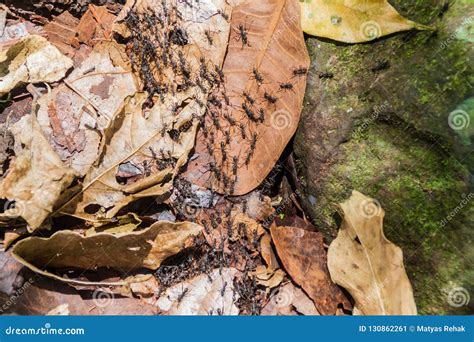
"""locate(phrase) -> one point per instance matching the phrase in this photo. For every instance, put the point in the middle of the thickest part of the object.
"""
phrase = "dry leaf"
(62, 33)
(124, 252)
(353, 21)
(139, 141)
(31, 60)
(365, 263)
(304, 258)
(202, 295)
(75, 115)
(267, 252)
(268, 277)
(41, 295)
(290, 300)
(273, 46)
(36, 177)
(95, 24)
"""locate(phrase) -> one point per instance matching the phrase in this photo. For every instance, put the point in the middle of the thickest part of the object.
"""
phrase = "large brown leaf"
(304, 258)
(272, 45)
(370, 267)
(124, 251)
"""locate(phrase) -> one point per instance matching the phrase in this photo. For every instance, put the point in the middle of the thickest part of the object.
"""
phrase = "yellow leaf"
(366, 264)
(353, 21)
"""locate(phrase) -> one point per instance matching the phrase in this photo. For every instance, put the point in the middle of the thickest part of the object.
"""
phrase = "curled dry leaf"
(268, 277)
(212, 294)
(354, 21)
(36, 178)
(31, 60)
(304, 258)
(267, 40)
(124, 252)
(364, 262)
(290, 300)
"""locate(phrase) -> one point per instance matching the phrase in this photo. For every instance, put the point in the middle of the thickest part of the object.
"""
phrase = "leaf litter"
(143, 165)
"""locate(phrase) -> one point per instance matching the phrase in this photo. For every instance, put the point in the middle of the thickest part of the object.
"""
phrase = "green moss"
(418, 187)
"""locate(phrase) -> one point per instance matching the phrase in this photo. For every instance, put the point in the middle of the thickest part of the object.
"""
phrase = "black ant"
(269, 98)
(208, 35)
(206, 226)
(249, 98)
(257, 76)
(223, 152)
(182, 295)
(326, 75)
(242, 131)
(220, 73)
(230, 119)
(250, 114)
(235, 165)
(223, 14)
(381, 65)
(300, 72)
(261, 117)
(227, 137)
(286, 86)
(242, 31)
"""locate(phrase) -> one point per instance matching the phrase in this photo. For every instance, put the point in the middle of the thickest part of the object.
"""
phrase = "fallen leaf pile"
(137, 142)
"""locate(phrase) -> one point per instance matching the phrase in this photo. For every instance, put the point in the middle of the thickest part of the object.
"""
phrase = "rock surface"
(377, 119)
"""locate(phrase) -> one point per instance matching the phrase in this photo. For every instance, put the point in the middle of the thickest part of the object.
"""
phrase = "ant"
(326, 75)
(235, 165)
(224, 154)
(230, 119)
(269, 98)
(381, 65)
(220, 73)
(257, 76)
(250, 114)
(242, 31)
(286, 86)
(223, 14)
(182, 295)
(208, 35)
(249, 98)
(242, 131)
(300, 72)
(227, 137)
(261, 117)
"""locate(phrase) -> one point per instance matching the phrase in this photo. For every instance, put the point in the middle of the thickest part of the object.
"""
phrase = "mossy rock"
(381, 125)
